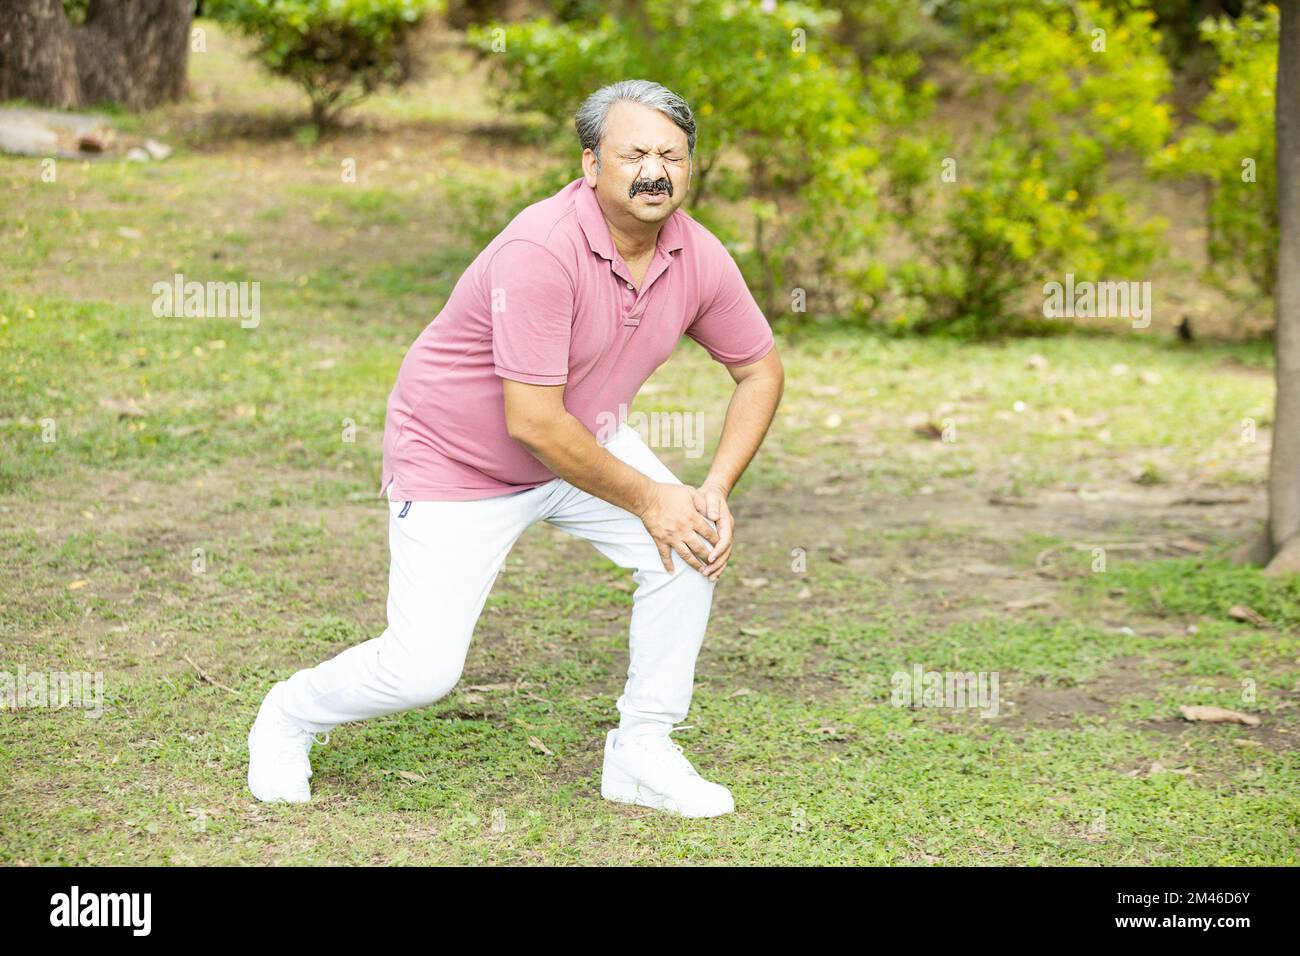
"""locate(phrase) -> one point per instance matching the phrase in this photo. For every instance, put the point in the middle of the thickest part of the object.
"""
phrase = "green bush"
(1232, 148)
(1036, 196)
(338, 51)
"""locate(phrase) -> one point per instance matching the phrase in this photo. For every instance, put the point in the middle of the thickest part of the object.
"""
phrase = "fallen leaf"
(1217, 715)
(123, 408)
(929, 430)
(1011, 502)
(1240, 612)
(538, 745)
(1027, 603)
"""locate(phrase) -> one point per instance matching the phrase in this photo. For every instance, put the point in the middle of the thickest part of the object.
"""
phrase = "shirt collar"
(596, 229)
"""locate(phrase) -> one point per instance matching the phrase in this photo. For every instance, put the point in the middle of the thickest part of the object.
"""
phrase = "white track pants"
(445, 556)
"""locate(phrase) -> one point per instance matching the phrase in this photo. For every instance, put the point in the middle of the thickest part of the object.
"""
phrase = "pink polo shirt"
(551, 302)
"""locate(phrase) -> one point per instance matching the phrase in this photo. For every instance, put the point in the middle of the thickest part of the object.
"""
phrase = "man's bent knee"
(418, 683)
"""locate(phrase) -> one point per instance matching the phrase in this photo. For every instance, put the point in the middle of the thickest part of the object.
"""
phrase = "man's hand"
(677, 525)
(711, 501)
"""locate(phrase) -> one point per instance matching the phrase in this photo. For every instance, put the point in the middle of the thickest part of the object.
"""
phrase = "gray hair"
(590, 118)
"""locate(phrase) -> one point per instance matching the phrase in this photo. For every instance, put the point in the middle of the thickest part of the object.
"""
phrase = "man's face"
(645, 167)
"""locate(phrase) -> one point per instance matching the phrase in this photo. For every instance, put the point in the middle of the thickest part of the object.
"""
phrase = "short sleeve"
(531, 298)
(731, 326)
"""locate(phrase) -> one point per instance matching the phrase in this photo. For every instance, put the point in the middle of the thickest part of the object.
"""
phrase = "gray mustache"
(661, 185)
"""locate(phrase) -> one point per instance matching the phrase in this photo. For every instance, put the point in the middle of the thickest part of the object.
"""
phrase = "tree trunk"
(38, 59)
(1284, 463)
(129, 52)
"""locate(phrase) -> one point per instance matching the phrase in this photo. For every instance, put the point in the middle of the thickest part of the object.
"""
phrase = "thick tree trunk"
(1284, 464)
(129, 52)
(38, 58)
(134, 52)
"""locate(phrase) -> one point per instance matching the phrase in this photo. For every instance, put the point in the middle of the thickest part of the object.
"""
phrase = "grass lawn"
(205, 521)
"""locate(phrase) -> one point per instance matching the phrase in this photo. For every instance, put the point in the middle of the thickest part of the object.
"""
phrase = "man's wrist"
(644, 496)
(718, 484)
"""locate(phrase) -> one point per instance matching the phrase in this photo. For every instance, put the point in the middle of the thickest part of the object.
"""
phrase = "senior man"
(495, 423)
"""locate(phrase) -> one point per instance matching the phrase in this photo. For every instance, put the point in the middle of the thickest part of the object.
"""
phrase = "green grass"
(199, 507)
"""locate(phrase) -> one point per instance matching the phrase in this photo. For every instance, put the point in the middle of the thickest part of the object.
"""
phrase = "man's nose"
(653, 168)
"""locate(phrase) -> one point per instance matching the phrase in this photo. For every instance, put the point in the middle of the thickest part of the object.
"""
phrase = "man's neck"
(635, 242)
(636, 246)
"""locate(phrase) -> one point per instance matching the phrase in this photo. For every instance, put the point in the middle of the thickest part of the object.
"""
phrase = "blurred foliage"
(338, 51)
(76, 10)
(872, 28)
(1233, 149)
(1078, 91)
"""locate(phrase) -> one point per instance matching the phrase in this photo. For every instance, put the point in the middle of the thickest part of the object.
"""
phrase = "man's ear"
(589, 164)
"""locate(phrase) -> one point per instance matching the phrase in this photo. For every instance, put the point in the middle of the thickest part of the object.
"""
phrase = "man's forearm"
(572, 452)
(749, 413)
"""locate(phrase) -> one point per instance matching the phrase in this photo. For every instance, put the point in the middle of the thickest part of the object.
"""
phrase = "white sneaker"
(650, 770)
(278, 767)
